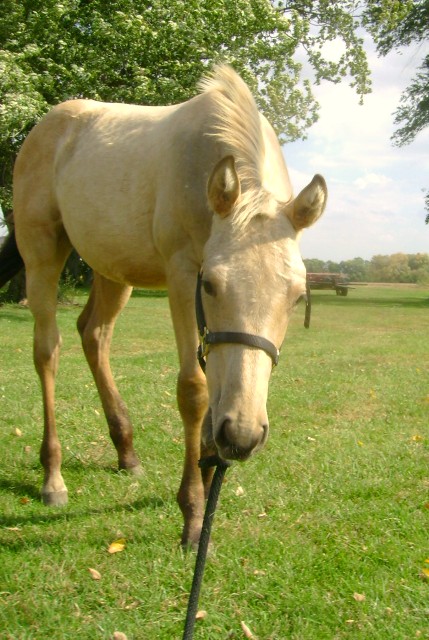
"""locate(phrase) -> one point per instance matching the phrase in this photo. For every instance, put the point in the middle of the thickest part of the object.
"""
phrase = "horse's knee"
(82, 322)
(84, 317)
(192, 397)
(46, 350)
(90, 338)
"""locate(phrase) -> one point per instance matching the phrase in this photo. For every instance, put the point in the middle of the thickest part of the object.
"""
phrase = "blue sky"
(376, 199)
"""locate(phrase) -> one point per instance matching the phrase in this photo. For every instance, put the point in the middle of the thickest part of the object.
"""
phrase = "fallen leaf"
(200, 615)
(118, 635)
(425, 574)
(117, 546)
(359, 597)
(246, 631)
(18, 432)
(95, 575)
(417, 438)
(25, 500)
(239, 491)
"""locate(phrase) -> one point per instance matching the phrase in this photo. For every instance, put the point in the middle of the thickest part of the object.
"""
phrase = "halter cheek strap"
(209, 338)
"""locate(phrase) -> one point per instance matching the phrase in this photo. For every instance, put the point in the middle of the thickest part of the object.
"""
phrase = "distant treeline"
(398, 267)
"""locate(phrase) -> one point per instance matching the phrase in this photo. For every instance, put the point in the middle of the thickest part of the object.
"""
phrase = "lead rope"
(221, 467)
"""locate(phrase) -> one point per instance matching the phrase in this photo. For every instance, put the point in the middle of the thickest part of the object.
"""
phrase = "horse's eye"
(209, 288)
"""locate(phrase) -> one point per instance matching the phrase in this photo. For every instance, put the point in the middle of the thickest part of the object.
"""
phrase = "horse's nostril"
(238, 444)
(224, 437)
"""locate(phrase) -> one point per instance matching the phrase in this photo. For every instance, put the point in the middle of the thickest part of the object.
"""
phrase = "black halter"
(209, 338)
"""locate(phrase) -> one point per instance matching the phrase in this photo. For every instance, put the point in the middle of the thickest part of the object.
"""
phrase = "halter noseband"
(209, 338)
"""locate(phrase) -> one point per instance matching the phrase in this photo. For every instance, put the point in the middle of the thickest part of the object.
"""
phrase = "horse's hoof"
(55, 498)
(189, 547)
(190, 539)
(135, 470)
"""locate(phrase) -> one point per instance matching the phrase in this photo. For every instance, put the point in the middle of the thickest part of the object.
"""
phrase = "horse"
(158, 197)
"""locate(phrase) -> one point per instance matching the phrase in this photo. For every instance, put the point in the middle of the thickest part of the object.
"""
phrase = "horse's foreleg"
(42, 299)
(192, 401)
(95, 325)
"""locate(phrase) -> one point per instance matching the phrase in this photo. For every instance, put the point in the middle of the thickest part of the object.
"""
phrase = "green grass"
(337, 504)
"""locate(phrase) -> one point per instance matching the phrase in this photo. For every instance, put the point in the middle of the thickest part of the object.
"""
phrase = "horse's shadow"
(52, 515)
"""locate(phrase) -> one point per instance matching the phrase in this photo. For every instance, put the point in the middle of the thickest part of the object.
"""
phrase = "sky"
(376, 199)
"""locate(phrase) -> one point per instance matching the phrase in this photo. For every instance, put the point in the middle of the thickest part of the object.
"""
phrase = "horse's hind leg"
(95, 325)
(43, 269)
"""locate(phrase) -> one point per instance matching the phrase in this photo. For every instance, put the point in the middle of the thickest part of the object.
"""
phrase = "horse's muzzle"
(236, 443)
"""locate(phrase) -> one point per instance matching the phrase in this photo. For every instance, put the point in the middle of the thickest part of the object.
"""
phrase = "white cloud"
(376, 203)
(370, 179)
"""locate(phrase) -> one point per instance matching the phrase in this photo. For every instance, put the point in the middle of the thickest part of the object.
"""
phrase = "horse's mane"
(238, 126)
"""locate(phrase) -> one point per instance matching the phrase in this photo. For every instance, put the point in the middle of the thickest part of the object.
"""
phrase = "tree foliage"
(154, 52)
(395, 24)
(393, 30)
(398, 267)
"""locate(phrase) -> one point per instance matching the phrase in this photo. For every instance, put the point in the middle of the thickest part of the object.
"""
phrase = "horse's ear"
(223, 188)
(309, 204)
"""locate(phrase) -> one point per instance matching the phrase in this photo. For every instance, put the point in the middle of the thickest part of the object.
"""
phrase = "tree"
(154, 52)
(394, 25)
(409, 25)
(399, 267)
(314, 265)
(356, 269)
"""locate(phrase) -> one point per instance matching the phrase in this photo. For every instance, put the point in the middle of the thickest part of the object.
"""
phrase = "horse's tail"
(11, 261)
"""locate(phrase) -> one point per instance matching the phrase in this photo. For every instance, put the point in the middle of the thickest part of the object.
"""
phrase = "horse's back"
(109, 172)
(127, 183)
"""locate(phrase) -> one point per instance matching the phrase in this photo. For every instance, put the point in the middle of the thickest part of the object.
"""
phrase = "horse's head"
(252, 278)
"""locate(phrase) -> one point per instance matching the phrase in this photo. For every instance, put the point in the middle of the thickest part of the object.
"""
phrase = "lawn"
(322, 535)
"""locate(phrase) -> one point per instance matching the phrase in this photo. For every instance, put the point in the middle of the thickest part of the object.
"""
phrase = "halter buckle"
(204, 347)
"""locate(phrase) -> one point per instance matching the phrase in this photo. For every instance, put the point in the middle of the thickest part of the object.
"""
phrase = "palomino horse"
(149, 197)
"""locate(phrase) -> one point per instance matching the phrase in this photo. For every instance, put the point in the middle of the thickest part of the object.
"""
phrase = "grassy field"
(323, 535)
